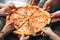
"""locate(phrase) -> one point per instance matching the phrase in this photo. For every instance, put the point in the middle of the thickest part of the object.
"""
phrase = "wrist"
(53, 36)
(1, 34)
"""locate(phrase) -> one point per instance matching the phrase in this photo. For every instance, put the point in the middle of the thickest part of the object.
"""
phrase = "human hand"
(9, 7)
(50, 33)
(23, 37)
(6, 9)
(8, 22)
(49, 4)
(47, 31)
(2, 33)
(55, 16)
(34, 2)
(8, 27)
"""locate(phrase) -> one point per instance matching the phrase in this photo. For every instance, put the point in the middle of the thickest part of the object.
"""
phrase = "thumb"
(22, 37)
(27, 37)
(8, 23)
(23, 34)
(42, 29)
(11, 5)
(45, 6)
(55, 14)
(52, 15)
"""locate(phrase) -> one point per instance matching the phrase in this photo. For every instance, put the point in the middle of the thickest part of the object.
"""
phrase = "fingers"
(8, 23)
(6, 9)
(22, 37)
(43, 34)
(22, 34)
(34, 2)
(55, 20)
(46, 6)
(49, 4)
(42, 30)
(55, 14)
(45, 29)
(27, 37)
(11, 5)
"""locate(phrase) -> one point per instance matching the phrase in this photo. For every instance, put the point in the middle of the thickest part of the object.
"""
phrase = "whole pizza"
(29, 19)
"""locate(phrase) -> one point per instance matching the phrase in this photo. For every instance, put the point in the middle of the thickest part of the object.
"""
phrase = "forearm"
(6, 30)
(53, 36)
(34, 2)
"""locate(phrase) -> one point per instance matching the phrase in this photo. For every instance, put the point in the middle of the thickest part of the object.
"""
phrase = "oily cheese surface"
(37, 17)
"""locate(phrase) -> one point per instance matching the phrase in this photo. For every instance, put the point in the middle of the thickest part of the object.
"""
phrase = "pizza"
(29, 19)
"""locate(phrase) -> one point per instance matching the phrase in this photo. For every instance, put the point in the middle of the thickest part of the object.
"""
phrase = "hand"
(47, 31)
(49, 4)
(9, 7)
(6, 9)
(2, 33)
(7, 29)
(55, 16)
(50, 33)
(8, 22)
(22, 37)
(34, 2)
